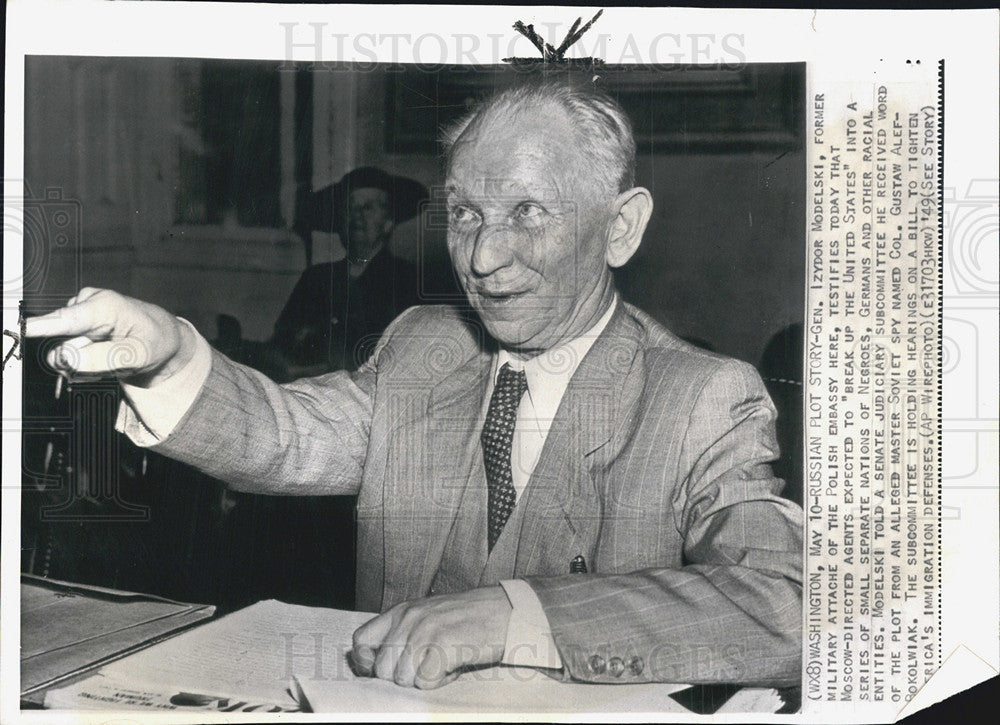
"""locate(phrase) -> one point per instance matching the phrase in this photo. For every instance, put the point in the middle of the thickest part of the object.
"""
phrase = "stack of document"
(68, 629)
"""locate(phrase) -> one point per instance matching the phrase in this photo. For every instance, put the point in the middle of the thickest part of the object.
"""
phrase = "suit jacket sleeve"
(732, 613)
(303, 438)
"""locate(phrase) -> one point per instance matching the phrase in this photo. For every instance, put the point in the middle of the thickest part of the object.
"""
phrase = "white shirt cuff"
(148, 415)
(529, 638)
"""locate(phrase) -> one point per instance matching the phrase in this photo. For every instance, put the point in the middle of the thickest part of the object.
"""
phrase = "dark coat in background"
(333, 321)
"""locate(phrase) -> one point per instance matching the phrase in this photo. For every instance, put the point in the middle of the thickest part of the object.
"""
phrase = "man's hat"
(321, 209)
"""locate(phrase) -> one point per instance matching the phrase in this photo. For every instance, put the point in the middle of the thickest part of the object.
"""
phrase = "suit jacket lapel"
(434, 455)
(563, 498)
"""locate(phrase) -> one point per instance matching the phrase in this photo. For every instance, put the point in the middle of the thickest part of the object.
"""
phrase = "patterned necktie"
(496, 439)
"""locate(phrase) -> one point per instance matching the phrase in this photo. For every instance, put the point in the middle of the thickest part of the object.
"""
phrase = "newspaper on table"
(896, 120)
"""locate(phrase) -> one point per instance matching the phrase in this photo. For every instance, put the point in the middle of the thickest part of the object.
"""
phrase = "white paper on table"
(251, 654)
(254, 654)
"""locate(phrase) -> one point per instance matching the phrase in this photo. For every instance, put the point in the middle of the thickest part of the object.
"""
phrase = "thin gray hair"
(602, 127)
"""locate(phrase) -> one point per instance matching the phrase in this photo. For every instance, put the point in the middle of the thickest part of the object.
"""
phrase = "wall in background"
(115, 143)
(723, 257)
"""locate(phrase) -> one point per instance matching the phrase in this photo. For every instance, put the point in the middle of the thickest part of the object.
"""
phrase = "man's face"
(527, 226)
(368, 221)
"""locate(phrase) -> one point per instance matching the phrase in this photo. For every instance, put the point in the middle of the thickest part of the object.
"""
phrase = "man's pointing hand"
(111, 334)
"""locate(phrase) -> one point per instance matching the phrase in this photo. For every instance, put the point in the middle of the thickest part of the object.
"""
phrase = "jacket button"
(635, 666)
(597, 664)
(616, 666)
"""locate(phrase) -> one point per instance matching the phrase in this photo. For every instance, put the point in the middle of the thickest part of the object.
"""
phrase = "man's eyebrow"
(456, 194)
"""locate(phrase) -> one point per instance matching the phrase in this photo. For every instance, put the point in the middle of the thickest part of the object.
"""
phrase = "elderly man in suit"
(551, 478)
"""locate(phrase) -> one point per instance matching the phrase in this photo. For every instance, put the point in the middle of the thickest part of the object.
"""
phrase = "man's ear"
(387, 227)
(633, 208)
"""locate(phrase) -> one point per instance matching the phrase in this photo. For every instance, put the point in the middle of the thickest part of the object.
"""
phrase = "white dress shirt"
(150, 414)
(154, 412)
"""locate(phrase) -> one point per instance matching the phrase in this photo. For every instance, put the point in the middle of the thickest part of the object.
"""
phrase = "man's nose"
(494, 249)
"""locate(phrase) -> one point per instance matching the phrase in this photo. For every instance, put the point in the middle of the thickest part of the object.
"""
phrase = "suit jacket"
(655, 469)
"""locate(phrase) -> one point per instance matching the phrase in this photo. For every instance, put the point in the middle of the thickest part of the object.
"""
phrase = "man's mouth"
(500, 296)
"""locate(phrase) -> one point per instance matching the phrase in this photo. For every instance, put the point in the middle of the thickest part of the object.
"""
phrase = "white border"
(834, 42)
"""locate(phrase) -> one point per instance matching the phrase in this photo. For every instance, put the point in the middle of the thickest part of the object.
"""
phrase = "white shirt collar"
(549, 373)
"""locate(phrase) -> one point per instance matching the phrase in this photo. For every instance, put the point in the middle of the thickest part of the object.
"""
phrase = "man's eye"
(462, 216)
(529, 211)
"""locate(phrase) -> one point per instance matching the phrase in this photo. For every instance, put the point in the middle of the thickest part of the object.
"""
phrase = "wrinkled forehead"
(520, 153)
(514, 176)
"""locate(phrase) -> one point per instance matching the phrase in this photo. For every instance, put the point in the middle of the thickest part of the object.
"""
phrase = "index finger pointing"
(72, 320)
